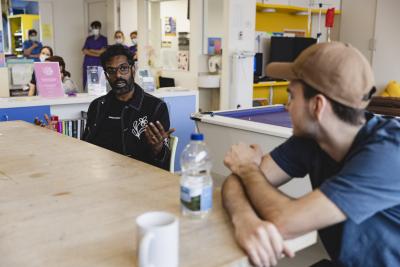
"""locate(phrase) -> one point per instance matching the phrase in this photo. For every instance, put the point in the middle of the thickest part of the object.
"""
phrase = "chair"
(173, 143)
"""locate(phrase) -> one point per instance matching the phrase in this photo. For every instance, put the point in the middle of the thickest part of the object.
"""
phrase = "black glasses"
(122, 69)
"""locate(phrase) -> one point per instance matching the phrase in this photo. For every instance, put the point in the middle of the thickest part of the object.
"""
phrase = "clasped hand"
(241, 155)
(261, 241)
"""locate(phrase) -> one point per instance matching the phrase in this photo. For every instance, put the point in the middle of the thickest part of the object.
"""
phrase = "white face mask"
(96, 32)
(33, 38)
(43, 57)
(134, 41)
(119, 40)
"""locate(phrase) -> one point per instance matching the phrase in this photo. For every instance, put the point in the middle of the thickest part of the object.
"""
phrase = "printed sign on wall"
(170, 26)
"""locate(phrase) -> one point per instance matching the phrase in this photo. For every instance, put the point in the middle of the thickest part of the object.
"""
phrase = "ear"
(318, 105)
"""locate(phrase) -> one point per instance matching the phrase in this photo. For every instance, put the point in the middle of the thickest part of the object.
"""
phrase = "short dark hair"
(48, 48)
(115, 50)
(347, 114)
(95, 24)
(31, 31)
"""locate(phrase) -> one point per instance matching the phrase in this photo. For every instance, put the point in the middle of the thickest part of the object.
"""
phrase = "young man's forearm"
(28, 51)
(269, 202)
(234, 198)
(91, 52)
(292, 217)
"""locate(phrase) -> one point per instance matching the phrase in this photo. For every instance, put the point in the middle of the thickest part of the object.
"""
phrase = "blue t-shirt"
(365, 185)
(36, 51)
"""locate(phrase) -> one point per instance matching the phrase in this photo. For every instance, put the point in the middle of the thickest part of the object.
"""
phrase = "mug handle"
(144, 250)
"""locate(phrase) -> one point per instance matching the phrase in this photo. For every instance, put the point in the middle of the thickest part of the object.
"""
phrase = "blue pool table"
(273, 115)
(267, 126)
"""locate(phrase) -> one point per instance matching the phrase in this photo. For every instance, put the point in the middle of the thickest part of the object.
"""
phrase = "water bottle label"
(206, 198)
(196, 199)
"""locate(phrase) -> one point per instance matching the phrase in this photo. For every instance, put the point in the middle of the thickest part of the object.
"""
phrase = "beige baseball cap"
(335, 69)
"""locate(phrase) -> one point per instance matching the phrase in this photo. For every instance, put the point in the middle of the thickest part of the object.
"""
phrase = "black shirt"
(110, 129)
(126, 134)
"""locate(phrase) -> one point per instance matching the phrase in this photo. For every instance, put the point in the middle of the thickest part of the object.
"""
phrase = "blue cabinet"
(180, 108)
(27, 114)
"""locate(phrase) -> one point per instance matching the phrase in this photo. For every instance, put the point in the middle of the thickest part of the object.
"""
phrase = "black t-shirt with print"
(109, 136)
(125, 135)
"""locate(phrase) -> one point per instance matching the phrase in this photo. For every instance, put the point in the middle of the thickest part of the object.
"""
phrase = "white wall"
(186, 79)
(213, 23)
(386, 59)
(357, 28)
(239, 16)
(69, 33)
(129, 18)
(374, 31)
(70, 29)
(113, 19)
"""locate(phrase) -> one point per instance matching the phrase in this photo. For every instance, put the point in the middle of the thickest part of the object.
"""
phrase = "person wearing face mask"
(119, 38)
(128, 120)
(45, 53)
(94, 46)
(133, 47)
(31, 47)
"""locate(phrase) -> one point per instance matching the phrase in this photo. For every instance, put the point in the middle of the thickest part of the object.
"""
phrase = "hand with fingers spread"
(155, 135)
(51, 125)
(261, 241)
(242, 155)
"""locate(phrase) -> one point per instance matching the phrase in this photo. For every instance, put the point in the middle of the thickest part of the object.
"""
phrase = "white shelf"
(18, 34)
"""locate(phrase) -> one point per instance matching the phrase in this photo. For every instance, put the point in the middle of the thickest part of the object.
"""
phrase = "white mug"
(158, 240)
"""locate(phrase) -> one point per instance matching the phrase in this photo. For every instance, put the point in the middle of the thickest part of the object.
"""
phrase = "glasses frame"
(117, 69)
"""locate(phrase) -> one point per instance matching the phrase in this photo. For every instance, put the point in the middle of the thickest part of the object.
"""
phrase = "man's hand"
(261, 240)
(241, 155)
(156, 135)
(34, 45)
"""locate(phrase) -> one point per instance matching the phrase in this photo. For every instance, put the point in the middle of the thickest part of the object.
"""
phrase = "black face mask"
(121, 86)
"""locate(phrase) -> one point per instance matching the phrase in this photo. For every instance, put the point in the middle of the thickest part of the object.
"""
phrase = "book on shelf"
(72, 128)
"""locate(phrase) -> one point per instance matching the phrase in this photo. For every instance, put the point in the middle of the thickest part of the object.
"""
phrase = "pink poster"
(48, 79)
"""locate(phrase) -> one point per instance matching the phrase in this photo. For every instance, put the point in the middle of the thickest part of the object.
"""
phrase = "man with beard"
(127, 120)
(352, 159)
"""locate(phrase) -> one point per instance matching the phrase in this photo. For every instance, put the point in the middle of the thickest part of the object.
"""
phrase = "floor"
(306, 257)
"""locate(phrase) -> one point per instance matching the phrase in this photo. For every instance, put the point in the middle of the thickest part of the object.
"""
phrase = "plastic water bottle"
(196, 181)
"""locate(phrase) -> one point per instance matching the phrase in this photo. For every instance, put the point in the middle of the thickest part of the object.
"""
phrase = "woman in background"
(68, 84)
(133, 48)
(119, 38)
(45, 52)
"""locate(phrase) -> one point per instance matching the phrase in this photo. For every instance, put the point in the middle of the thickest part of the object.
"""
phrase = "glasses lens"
(124, 68)
(111, 71)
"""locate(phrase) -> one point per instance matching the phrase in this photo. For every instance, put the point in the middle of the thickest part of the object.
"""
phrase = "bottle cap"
(197, 137)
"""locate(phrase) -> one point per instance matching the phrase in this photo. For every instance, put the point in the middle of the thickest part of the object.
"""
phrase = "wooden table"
(64, 202)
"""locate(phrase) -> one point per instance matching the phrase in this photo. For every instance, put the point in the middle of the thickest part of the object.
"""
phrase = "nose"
(118, 74)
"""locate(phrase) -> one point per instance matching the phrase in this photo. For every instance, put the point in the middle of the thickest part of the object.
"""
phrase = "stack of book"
(72, 128)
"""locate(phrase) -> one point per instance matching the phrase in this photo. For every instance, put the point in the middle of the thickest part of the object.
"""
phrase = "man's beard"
(121, 86)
